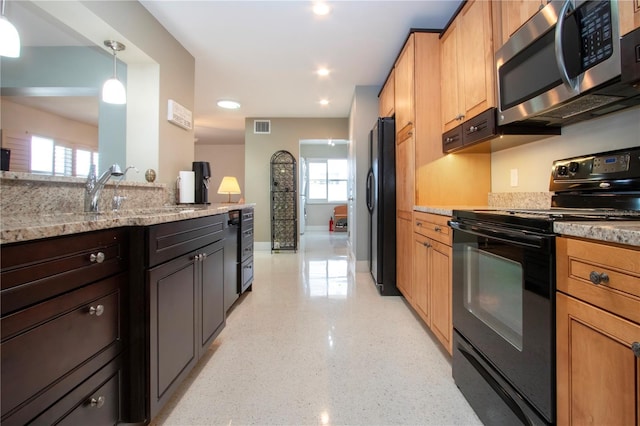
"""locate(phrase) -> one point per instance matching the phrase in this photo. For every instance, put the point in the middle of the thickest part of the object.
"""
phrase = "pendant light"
(9, 37)
(113, 90)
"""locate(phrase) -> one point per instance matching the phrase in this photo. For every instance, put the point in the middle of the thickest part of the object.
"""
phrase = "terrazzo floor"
(314, 344)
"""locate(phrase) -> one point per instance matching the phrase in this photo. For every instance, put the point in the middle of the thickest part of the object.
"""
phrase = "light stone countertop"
(24, 227)
(621, 232)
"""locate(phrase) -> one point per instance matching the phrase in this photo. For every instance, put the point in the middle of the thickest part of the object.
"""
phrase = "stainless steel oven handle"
(571, 84)
(510, 236)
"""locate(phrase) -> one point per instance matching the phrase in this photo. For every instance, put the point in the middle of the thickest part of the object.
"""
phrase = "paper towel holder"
(229, 185)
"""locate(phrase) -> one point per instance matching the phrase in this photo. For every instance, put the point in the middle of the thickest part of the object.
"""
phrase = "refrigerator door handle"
(370, 190)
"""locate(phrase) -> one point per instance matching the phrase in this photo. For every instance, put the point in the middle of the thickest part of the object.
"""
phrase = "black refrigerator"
(381, 202)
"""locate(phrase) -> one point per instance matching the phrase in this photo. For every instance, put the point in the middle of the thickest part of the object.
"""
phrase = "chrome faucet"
(93, 187)
(116, 201)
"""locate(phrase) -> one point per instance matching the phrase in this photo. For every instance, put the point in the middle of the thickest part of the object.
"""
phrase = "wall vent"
(262, 127)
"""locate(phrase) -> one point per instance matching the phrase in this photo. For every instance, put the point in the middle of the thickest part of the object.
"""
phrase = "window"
(328, 180)
(51, 158)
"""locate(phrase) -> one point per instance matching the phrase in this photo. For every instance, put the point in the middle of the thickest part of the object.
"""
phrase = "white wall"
(533, 161)
(286, 134)
(225, 160)
(363, 115)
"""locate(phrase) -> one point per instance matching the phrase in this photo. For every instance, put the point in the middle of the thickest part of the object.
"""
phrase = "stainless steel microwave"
(558, 65)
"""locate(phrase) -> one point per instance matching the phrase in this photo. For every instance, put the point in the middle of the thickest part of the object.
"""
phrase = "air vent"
(262, 127)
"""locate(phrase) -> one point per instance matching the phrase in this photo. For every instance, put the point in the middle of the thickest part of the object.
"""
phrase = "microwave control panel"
(594, 23)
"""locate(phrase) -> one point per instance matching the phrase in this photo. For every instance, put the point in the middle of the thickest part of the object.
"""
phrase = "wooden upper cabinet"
(467, 65)
(404, 86)
(386, 102)
(513, 14)
(629, 11)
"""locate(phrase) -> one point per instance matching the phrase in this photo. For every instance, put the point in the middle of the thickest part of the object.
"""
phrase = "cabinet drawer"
(247, 218)
(95, 402)
(167, 241)
(452, 140)
(51, 347)
(246, 273)
(604, 275)
(38, 270)
(433, 226)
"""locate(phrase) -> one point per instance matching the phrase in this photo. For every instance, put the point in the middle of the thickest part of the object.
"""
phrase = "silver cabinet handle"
(473, 129)
(97, 258)
(437, 229)
(97, 402)
(96, 310)
(418, 223)
(635, 347)
(598, 278)
(426, 244)
(459, 117)
(203, 256)
(448, 140)
(197, 257)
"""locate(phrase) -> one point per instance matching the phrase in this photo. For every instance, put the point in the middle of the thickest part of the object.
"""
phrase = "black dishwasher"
(231, 236)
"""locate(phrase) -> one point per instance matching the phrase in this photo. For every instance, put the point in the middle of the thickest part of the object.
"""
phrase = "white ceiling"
(264, 54)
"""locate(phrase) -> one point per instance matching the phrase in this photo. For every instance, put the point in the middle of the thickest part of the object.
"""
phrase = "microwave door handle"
(571, 84)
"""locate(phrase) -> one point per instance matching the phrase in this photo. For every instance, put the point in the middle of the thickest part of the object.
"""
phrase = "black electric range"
(603, 186)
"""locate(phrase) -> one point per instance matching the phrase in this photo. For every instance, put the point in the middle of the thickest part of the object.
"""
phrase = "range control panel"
(620, 168)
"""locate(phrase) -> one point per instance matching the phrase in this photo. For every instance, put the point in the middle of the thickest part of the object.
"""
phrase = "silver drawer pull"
(97, 258)
(426, 244)
(635, 347)
(598, 278)
(97, 402)
(96, 310)
(437, 229)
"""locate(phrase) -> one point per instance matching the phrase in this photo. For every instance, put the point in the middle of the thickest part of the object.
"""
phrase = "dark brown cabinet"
(186, 300)
(61, 327)
(245, 248)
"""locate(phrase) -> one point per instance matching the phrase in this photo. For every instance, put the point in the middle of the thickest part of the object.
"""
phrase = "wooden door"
(386, 102)
(598, 375)
(212, 294)
(450, 92)
(629, 11)
(421, 276)
(404, 86)
(440, 291)
(404, 261)
(172, 314)
(514, 14)
(477, 60)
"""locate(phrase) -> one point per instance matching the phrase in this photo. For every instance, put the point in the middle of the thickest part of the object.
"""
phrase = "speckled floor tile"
(314, 344)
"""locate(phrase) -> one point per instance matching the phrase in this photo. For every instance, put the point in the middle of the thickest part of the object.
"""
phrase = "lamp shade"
(9, 39)
(229, 185)
(113, 92)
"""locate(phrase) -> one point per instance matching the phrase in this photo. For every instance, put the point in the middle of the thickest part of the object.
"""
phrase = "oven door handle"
(510, 236)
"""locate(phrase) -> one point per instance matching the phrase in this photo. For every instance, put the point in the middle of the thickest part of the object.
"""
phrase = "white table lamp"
(229, 185)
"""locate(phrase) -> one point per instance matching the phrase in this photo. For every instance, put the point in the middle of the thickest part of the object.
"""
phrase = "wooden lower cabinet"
(598, 333)
(598, 379)
(404, 257)
(432, 275)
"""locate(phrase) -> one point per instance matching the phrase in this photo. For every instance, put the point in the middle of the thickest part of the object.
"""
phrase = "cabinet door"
(598, 379)
(450, 96)
(404, 85)
(515, 13)
(440, 292)
(386, 102)
(421, 277)
(476, 67)
(172, 311)
(405, 173)
(629, 11)
(212, 293)
(404, 263)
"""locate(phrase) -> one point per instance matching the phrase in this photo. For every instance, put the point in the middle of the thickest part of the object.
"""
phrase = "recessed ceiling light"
(323, 72)
(321, 8)
(324, 101)
(227, 104)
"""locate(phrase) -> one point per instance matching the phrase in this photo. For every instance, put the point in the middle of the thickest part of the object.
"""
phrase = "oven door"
(503, 289)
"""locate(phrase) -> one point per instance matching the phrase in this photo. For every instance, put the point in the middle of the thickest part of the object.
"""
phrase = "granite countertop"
(621, 232)
(25, 227)
(445, 210)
